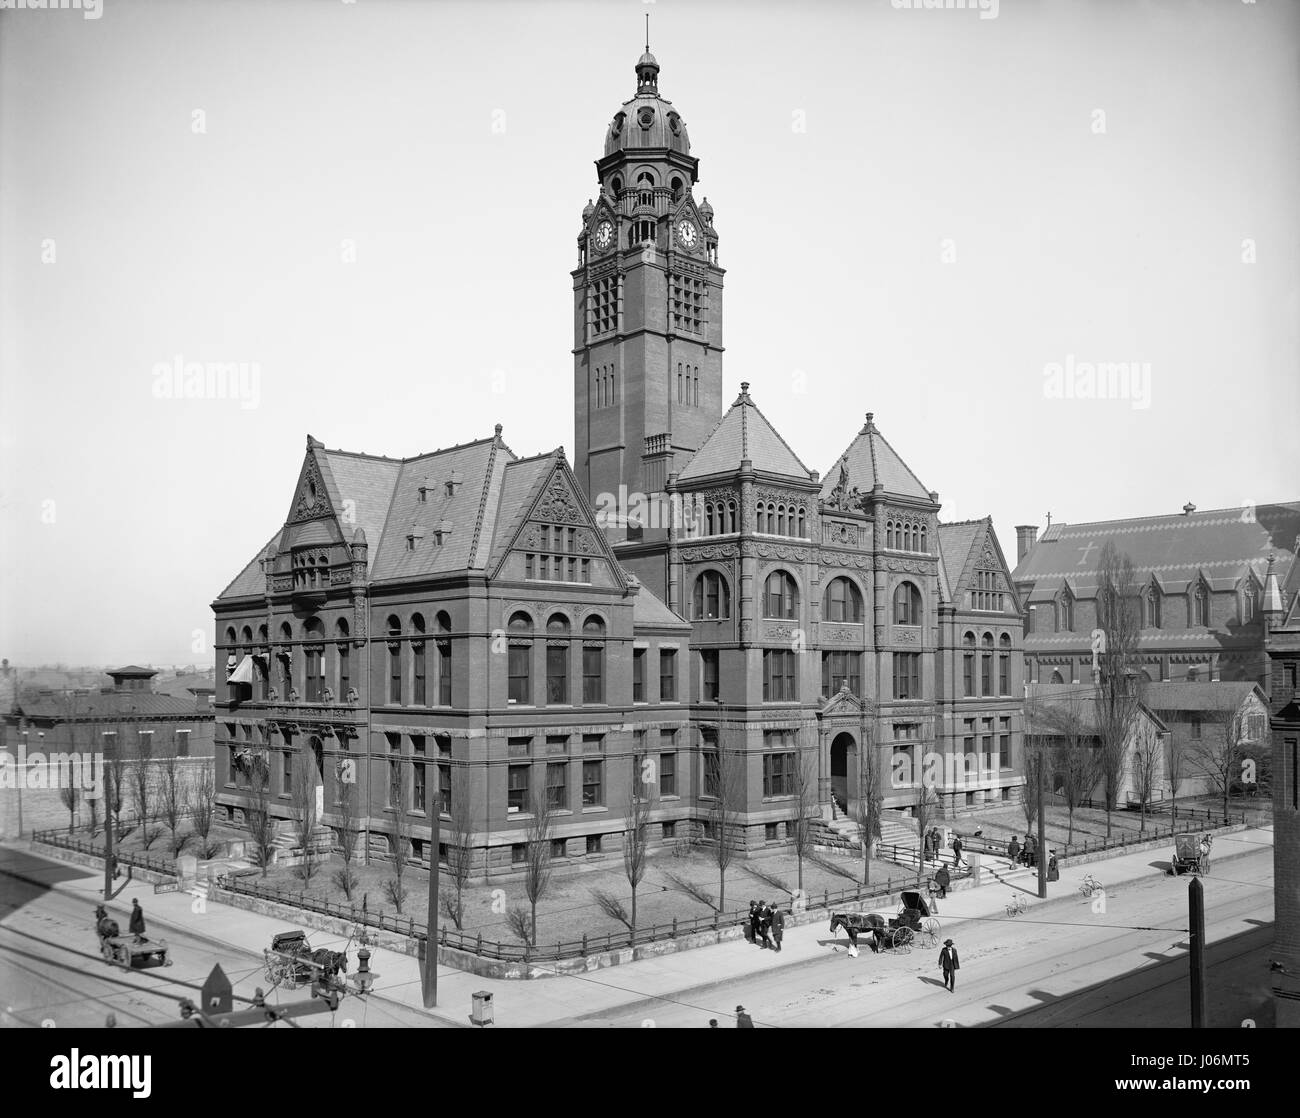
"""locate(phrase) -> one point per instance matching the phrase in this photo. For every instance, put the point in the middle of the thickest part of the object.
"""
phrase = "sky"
(941, 216)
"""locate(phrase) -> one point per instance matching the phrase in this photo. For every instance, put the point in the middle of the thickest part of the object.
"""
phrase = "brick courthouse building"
(533, 628)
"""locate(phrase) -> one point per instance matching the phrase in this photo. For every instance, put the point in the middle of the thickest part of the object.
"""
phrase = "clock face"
(686, 234)
(604, 234)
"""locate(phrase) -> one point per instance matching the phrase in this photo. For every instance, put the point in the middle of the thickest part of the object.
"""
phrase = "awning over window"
(243, 673)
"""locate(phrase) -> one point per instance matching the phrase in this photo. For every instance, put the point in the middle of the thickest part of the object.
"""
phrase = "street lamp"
(365, 977)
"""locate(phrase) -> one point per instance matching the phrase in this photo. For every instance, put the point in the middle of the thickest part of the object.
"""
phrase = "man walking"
(1013, 850)
(956, 851)
(764, 922)
(949, 964)
(942, 880)
(778, 926)
(743, 1019)
(751, 925)
(136, 927)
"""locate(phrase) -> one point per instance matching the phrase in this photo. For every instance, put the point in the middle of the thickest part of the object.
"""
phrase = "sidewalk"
(527, 1003)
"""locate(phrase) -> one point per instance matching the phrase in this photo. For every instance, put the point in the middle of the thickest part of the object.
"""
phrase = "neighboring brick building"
(1201, 577)
(1282, 613)
(129, 717)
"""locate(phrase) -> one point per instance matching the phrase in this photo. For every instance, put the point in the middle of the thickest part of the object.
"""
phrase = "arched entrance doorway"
(840, 747)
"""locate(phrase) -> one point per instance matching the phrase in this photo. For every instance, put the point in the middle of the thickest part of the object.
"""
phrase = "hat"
(947, 943)
(740, 1009)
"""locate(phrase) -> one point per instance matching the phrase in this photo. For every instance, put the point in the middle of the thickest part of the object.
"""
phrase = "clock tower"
(647, 300)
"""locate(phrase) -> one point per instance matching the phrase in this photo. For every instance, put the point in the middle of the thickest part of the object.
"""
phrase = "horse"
(855, 922)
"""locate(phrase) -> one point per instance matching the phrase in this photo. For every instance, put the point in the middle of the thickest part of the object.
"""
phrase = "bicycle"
(1090, 886)
(1016, 907)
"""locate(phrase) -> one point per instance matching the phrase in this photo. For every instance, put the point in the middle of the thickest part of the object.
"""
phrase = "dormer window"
(414, 536)
(442, 531)
(454, 482)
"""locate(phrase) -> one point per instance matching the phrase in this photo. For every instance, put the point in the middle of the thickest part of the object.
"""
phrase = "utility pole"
(433, 807)
(109, 799)
(1042, 812)
(1196, 924)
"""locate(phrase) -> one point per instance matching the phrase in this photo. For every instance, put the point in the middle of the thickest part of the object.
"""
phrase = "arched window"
(1201, 605)
(1056, 678)
(731, 516)
(1249, 602)
(907, 604)
(712, 597)
(780, 521)
(923, 544)
(232, 640)
(780, 597)
(519, 657)
(593, 660)
(557, 659)
(968, 664)
(889, 534)
(442, 644)
(843, 601)
(986, 664)
(709, 526)
(1065, 612)
(1004, 664)
(342, 658)
(394, 659)
(419, 662)
(803, 524)
(246, 638)
(1151, 608)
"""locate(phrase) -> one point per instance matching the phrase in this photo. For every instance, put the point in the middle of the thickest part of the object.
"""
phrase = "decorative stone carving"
(778, 632)
(312, 502)
(557, 505)
(903, 566)
(831, 632)
(834, 559)
(776, 551)
(715, 551)
(746, 629)
(341, 575)
(838, 532)
(907, 636)
(842, 496)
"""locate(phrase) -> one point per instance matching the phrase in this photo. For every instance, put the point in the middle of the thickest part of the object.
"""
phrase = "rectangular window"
(638, 675)
(907, 675)
(417, 656)
(778, 774)
(517, 748)
(286, 773)
(444, 673)
(518, 656)
(779, 684)
(593, 674)
(559, 848)
(518, 853)
(840, 668)
(1195, 728)
(709, 752)
(557, 745)
(667, 675)
(1004, 673)
(593, 793)
(986, 674)
(417, 786)
(670, 831)
(557, 673)
(593, 844)
(667, 774)
(709, 671)
(968, 674)
(907, 731)
(182, 743)
(557, 781)
(444, 789)
(315, 676)
(394, 782)
(770, 832)
(345, 677)
(517, 789)
(1004, 747)
(395, 673)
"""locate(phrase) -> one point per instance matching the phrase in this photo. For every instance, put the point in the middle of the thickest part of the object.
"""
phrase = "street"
(1064, 963)
(51, 971)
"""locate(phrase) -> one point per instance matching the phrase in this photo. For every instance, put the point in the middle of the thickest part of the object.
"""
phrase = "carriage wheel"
(930, 930)
(903, 940)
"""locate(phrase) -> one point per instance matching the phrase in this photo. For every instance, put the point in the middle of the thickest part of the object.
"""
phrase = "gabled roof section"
(650, 610)
(1224, 695)
(957, 542)
(870, 459)
(1175, 548)
(251, 581)
(744, 433)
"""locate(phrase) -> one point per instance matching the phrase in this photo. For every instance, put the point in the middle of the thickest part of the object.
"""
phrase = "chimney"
(1026, 537)
(1188, 509)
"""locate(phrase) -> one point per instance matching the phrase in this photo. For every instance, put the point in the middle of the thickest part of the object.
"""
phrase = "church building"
(684, 588)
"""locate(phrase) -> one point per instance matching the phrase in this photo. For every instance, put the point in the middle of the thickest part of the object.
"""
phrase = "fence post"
(478, 944)
(584, 944)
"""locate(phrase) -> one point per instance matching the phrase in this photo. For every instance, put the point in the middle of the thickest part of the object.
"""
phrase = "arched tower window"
(519, 657)
(711, 600)
(780, 597)
(593, 660)
(907, 604)
(843, 601)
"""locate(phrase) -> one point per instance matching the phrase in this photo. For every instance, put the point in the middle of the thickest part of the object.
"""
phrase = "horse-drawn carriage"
(896, 933)
(1191, 854)
(292, 961)
(127, 951)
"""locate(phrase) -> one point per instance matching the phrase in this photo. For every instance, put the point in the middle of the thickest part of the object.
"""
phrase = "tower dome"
(647, 121)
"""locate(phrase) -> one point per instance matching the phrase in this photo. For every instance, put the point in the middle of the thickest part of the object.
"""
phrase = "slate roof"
(1220, 696)
(649, 610)
(521, 483)
(872, 459)
(744, 433)
(108, 705)
(1221, 544)
(955, 544)
(1062, 697)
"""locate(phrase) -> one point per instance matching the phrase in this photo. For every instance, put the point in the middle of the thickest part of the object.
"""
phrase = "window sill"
(600, 810)
(674, 796)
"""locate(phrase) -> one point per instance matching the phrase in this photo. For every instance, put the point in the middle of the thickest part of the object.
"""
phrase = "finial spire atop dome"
(647, 69)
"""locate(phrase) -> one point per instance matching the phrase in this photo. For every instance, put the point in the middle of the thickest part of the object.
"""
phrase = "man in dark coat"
(956, 851)
(751, 924)
(942, 880)
(949, 964)
(1013, 850)
(764, 922)
(1030, 844)
(743, 1019)
(136, 927)
(778, 926)
(1053, 874)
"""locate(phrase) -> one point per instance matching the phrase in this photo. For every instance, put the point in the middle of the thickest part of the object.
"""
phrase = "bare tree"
(636, 839)
(302, 810)
(1218, 755)
(348, 831)
(143, 796)
(925, 808)
(1175, 771)
(537, 857)
(115, 778)
(256, 767)
(870, 804)
(724, 779)
(1072, 757)
(69, 793)
(1119, 621)
(1147, 752)
(805, 807)
(459, 836)
(171, 797)
(200, 798)
(399, 784)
